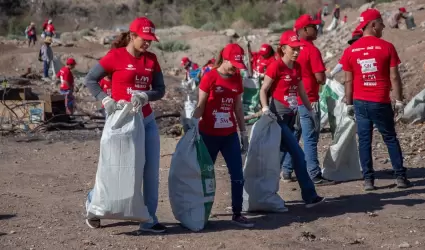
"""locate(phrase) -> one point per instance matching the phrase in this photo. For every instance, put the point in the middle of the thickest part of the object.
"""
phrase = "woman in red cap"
(220, 100)
(137, 78)
(283, 80)
(188, 65)
(208, 66)
(266, 57)
(67, 86)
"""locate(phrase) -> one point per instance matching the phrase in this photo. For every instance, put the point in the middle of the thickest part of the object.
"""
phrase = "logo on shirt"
(288, 78)
(141, 81)
(130, 67)
(219, 89)
(148, 69)
(234, 90)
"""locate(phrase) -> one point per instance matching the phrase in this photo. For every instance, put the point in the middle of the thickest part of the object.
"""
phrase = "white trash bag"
(191, 181)
(414, 112)
(334, 92)
(117, 193)
(342, 162)
(262, 168)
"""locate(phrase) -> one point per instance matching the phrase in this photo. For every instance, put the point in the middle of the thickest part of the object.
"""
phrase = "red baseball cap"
(185, 60)
(71, 61)
(234, 53)
(304, 21)
(290, 38)
(265, 49)
(367, 16)
(402, 9)
(144, 28)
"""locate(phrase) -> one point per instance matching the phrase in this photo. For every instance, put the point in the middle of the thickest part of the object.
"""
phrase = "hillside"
(208, 14)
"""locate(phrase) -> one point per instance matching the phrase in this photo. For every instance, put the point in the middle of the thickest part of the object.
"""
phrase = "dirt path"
(43, 186)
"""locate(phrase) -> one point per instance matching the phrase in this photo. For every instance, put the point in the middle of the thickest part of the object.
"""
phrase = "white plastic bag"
(341, 162)
(414, 111)
(333, 92)
(191, 181)
(117, 193)
(262, 168)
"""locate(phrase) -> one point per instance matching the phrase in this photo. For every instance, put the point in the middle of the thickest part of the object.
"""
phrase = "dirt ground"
(44, 181)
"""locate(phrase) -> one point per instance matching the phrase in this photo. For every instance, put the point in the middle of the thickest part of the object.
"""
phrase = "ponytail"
(279, 50)
(219, 60)
(122, 40)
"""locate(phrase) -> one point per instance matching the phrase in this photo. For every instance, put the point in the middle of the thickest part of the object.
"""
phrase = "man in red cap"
(188, 65)
(67, 86)
(371, 71)
(313, 75)
(266, 57)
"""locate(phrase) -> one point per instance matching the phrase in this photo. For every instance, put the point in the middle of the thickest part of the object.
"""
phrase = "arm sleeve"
(346, 66)
(92, 81)
(316, 61)
(337, 69)
(395, 60)
(158, 87)
(205, 84)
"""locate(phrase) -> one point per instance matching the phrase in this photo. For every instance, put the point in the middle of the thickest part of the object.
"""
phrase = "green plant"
(172, 46)
(210, 26)
(17, 26)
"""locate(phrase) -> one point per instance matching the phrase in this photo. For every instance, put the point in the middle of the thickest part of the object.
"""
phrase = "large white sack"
(341, 162)
(117, 192)
(191, 182)
(415, 110)
(262, 168)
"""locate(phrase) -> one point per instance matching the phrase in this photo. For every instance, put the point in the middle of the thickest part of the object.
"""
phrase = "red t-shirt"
(106, 86)
(263, 63)
(254, 59)
(311, 62)
(65, 74)
(285, 82)
(50, 28)
(218, 117)
(130, 73)
(370, 60)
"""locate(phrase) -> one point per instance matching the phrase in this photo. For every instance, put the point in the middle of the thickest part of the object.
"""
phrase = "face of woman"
(139, 43)
(291, 53)
(229, 68)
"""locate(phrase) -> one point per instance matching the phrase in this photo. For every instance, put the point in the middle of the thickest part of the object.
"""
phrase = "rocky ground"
(46, 176)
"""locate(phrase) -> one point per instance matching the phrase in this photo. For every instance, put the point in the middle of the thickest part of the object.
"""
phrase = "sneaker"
(157, 228)
(403, 182)
(320, 181)
(287, 178)
(369, 185)
(242, 221)
(315, 202)
(93, 223)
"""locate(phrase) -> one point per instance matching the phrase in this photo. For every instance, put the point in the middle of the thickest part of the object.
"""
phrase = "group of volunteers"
(293, 73)
(48, 30)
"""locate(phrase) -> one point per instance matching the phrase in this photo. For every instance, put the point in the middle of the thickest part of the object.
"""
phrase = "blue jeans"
(230, 149)
(151, 170)
(46, 66)
(291, 146)
(382, 116)
(311, 139)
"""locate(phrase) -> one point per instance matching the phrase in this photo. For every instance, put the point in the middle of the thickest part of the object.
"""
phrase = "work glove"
(398, 109)
(350, 111)
(139, 99)
(190, 123)
(109, 104)
(266, 111)
(244, 142)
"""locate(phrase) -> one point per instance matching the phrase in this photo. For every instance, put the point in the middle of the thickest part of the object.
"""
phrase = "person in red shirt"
(313, 75)
(265, 58)
(188, 65)
(371, 71)
(67, 86)
(50, 29)
(208, 66)
(106, 86)
(220, 106)
(283, 80)
(136, 78)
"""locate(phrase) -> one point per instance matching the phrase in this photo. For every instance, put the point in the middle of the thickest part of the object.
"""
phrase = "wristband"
(264, 109)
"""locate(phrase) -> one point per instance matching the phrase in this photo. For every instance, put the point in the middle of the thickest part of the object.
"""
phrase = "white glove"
(244, 142)
(350, 111)
(109, 104)
(266, 111)
(399, 109)
(139, 99)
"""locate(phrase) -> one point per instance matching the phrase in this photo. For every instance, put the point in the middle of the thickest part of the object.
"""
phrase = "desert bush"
(172, 46)
(210, 26)
(16, 26)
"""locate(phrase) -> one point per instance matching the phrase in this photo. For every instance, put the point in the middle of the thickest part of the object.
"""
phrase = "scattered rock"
(372, 214)
(307, 236)
(88, 243)
(221, 245)
(12, 232)
(404, 245)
